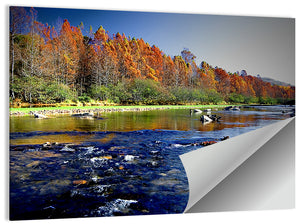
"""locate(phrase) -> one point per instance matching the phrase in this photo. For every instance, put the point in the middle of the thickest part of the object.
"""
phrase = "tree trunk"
(30, 98)
(12, 59)
(12, 66)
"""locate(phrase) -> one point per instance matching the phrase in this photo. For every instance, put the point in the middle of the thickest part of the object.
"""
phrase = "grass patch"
(27, 110)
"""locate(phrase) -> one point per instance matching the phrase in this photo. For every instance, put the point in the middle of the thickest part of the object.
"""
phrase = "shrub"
(120, 93)
(236, 98)
(250, 99)
(100, 92)
(214, 97)
(267, 100)
(63, 93)
(84, 99)
(146, 91)
(54, 93)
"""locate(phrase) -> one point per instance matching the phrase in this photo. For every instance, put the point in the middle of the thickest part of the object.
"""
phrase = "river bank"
(100, 109)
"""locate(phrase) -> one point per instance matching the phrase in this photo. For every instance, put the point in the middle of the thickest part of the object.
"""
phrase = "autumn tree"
(223, 81)
(55, 63)
(207, 76)
(18, 19)
(167, 77)
(189, 59)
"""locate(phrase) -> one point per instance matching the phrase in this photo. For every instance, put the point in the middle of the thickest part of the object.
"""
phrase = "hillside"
(275, 82)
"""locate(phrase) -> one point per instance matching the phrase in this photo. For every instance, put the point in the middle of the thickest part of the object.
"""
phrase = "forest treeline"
(58, 64)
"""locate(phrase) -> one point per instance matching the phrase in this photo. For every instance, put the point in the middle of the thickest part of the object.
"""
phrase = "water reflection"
(180, 120)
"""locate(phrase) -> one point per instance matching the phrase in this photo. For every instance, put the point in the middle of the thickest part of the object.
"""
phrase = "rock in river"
(40, 116)
(84, 115)
(79, 182)
(67, 149)
(209, 118)
(129, 157)
(205, 119)
(232, 108)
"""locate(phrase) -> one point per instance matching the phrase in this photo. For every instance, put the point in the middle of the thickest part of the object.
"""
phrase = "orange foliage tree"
(63, 55)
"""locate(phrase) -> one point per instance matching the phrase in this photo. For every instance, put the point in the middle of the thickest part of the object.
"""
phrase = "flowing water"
(124, 163)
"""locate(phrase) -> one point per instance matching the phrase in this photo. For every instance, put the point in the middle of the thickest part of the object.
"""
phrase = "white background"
(274, 8)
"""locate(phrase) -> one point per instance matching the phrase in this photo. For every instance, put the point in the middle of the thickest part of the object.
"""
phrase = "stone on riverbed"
(67, 149)
(79, 182)
(224, 138)
(165, 181)
(232, 108)
(33, 164)
(39, 116)
(48, 145)
(54, 187)
(206, 143)
(235, 108)
(129, 157)
(209, 118)
(197, 111)
(205, 119)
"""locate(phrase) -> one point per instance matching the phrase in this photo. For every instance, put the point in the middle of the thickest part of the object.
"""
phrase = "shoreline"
(100, 109)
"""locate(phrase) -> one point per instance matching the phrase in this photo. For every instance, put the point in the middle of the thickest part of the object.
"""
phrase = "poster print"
(105, 103)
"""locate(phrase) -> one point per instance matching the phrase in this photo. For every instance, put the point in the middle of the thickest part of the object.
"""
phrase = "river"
(124, 163)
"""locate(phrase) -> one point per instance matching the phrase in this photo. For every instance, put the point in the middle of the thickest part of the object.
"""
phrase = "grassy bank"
(65, 109)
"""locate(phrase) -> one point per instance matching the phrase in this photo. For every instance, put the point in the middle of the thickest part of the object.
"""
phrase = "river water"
(124, 163)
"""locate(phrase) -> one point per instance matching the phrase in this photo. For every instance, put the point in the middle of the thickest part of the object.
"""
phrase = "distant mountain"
(275, 82)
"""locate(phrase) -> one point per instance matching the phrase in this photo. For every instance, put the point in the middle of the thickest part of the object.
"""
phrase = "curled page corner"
(207, 167)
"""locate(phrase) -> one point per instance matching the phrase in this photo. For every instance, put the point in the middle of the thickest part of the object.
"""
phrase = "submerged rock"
(54, 186)
(84, 115)
(79, 182)
(165, 181)
(235, 108)
(33, 164)
(113, 148)
(232, 108)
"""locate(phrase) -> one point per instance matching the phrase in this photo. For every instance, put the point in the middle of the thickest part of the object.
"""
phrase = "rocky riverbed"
(128, 173)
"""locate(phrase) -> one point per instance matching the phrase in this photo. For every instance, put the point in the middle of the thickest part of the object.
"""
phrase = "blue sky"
(260, 45)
